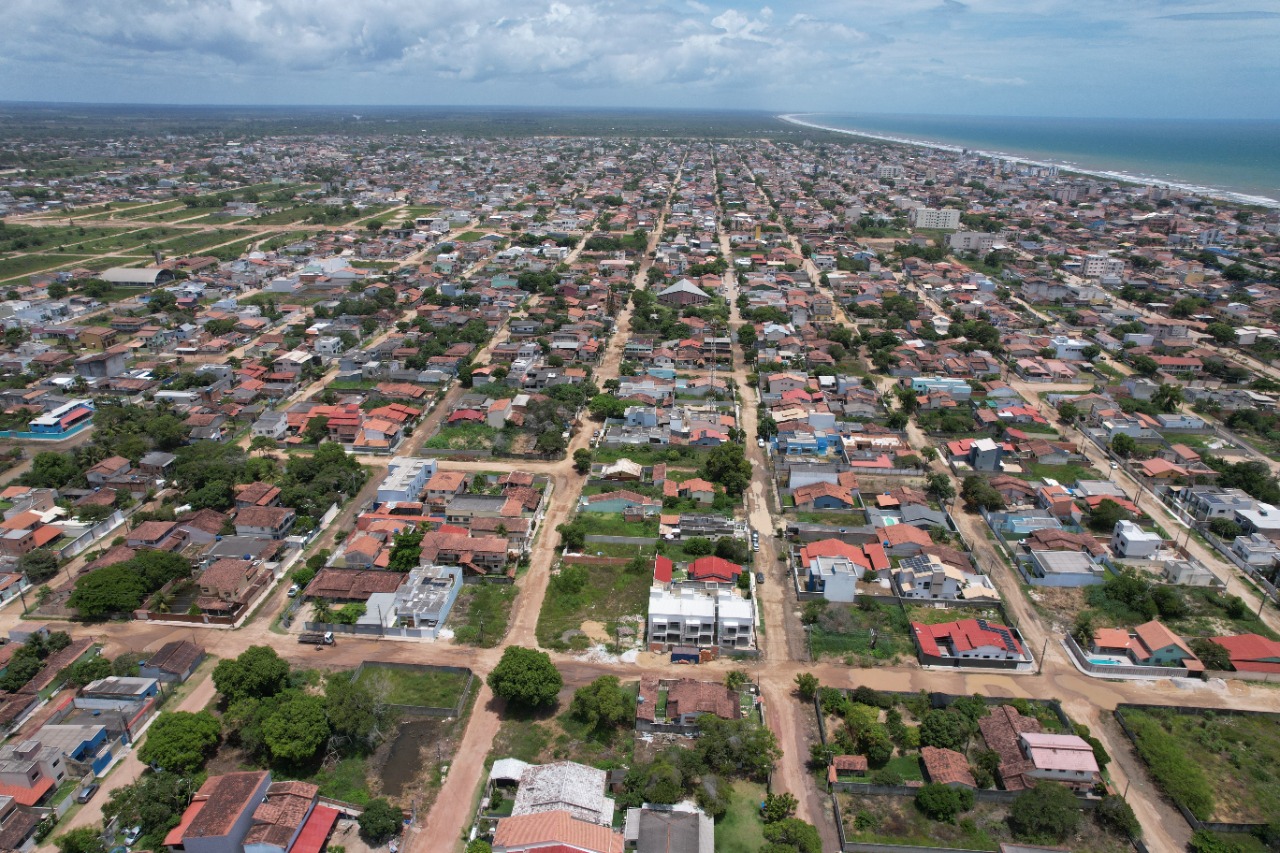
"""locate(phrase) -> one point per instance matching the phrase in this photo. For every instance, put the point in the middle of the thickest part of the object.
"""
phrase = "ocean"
(1237, 159)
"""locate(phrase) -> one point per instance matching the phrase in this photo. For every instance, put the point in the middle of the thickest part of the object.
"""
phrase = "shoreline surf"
(1141, 180)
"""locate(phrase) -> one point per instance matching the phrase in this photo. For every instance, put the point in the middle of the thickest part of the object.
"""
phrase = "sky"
(1096, 58)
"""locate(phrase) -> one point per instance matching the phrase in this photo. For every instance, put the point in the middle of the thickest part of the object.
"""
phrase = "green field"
(741, 830)
(126, 240)
(613, 524)
(193, 243)
(28, 264)
(463, 437)
(426, 687)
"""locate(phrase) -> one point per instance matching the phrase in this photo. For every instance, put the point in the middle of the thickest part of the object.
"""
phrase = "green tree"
(355, 711)
(111, 589)
(582, 460)
(479, 845)
(50, 470)
(1225, 528)
(180, 741)
(86, 839)
(256, 673)
(807, 686)
(1221, 333)
(1168, 397)
(1124, 445)
(778, 807)
(728, 466)
(791, 834)
(737, 679)
(39, 565)
(1145, 365)
(1069, 412)
(603, 704)
(525, 677)
(379, 821)
(406, 551)
(316, 430)
(943, 802)
(550, 443)
(84, 671)
(297, 729)
(1116, 815)
(939, 486)
(1212, 655)
(944, 729)
(1106, 515)
(154, 802)
(1046, 813)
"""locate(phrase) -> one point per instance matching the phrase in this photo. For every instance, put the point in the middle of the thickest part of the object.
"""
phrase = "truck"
(316, 638)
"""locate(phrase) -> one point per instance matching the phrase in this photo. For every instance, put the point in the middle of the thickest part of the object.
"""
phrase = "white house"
(1130, 540)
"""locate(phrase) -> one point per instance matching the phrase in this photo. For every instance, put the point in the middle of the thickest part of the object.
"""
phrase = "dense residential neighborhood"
(603, 493)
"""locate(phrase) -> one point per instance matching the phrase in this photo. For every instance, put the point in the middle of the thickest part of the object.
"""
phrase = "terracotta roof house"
(969, 642)
(173, 662)
(268, 522)
(946, 767)
(219, 815)
(1002, 728)
(846, 767)
(714, 569)
(1045, 539)
(1251, 652)
(687, 700)
(346, 585)
(554, 832)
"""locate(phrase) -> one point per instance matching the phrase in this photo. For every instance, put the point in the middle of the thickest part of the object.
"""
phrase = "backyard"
(585, 603)
(463, 437)
(741, 830)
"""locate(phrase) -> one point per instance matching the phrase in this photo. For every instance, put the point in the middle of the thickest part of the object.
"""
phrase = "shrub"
(1047, 812)
(943, 802)
(1176, 774)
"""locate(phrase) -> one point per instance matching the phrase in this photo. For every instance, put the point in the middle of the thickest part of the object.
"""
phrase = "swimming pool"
(1104, 662)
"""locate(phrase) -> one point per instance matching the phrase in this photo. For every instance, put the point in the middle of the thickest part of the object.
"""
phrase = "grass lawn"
(607, 595)
(428, 688)
(481, 613)
(613, 524)
(346, 780)
(741, 830)
(27, 264)
(906, 766)
(1065, 474)
(940, 616)
(195, 242)
(463, 437)
(849, 518)
(467, 237)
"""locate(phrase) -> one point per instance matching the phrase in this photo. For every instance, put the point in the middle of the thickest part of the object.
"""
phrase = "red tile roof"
(523, 831)
(714, 568)
(946, 767)
(1251, 652)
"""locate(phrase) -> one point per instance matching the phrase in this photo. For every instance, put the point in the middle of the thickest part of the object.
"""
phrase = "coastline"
(1207, 192)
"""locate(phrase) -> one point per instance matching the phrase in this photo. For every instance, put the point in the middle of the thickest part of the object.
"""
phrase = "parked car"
(293, 591)
(86, 793)
(131, 835)
(759, 577)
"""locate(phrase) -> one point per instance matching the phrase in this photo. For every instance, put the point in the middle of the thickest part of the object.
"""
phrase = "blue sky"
(1148, 58)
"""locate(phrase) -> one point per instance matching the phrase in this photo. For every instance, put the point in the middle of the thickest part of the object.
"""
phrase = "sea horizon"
(1231, 159)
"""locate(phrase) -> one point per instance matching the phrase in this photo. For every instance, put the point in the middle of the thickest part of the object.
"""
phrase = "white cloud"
(909, 55)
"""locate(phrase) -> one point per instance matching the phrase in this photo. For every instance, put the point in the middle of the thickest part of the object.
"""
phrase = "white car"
(1115, 465)
(293, 591)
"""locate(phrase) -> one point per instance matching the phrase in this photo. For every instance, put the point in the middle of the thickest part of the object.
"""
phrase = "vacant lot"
(861, 635)
(426, 687)
(540, 738)
(463, 437)
(481, 613)
(1236, 756)
(896, 820)
(602, 594)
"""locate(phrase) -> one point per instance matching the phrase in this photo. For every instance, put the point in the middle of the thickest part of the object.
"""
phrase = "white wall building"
(1130, 540)
(932, 217)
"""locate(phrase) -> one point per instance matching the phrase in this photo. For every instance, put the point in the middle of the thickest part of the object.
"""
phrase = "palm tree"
(1168, 397)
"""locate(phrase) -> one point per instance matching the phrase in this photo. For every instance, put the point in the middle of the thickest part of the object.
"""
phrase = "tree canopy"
(525, 677)
(258, 672)
(180, 741)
